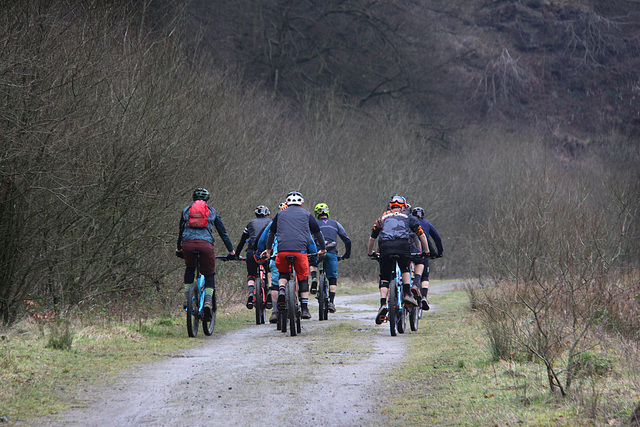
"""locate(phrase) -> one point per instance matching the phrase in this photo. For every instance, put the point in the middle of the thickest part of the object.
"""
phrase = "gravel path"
(258, 376)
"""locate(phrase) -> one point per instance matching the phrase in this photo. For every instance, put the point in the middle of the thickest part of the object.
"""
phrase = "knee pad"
(285, 276)
(383, 284)
(303, 286)
(274, 287)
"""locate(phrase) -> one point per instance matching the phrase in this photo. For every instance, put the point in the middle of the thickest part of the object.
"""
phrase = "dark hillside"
(567, 65)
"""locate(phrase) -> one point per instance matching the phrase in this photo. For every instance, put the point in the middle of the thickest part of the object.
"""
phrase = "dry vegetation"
(112, 113)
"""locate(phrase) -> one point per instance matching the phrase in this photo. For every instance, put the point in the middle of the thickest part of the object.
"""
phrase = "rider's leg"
(384, 293)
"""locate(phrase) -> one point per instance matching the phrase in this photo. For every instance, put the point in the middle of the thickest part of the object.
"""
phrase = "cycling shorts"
(331, 265)
(301, 264)
(252, 265)
(207, 255)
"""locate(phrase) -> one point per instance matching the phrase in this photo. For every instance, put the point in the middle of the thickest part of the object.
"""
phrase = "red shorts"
(301, 264)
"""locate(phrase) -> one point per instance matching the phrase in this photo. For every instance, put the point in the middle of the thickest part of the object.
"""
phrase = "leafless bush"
(504, 82)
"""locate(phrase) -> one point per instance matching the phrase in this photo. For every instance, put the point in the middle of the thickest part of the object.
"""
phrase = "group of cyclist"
(309, 239)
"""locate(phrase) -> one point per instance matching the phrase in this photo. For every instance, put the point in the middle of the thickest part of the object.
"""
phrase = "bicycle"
(292, 313)
(397, 311)
(260, 293)
(323, 292)
(195, 305)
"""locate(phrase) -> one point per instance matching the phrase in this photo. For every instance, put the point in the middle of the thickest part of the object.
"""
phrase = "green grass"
(38, 379)
(448, 379)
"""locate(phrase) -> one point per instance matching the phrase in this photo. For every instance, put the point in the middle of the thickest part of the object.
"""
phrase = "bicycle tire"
(258, 301)
(413, 318)
(209, 325)
(193, 310)
(393, 307)
(282, 320)
(401, 323)
(291, 307)
(323, 298)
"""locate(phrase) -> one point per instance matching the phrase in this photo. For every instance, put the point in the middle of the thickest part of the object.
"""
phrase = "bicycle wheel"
(291, 307)
(323, 298)
(393, 307)
(413, 318)
(282, 320)
(401, 323)
(258, 301)
(208, 325)
(193, 310)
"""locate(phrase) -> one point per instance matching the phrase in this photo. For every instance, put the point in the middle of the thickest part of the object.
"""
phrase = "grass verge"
(38, 379)
(450, 380)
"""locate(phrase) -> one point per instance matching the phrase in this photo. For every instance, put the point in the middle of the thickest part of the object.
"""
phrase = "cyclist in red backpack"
(196, 234)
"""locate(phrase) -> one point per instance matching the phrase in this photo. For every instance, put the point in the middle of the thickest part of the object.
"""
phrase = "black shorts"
(387, 264)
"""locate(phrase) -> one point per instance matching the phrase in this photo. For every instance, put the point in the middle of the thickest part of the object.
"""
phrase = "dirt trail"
(256, 376)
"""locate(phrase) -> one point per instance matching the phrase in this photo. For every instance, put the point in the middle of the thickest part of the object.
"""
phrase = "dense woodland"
(512, 123)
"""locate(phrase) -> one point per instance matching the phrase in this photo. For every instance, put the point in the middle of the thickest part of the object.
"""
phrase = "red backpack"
(198, 214)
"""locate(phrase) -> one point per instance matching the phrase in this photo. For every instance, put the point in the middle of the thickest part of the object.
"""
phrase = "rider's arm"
(346, 240)
(180, 231)
(243, 238)
(436, 238)
(370, 246)
(223, 234)
(315, 230)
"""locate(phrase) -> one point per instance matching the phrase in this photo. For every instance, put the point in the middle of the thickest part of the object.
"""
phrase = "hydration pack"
(198, 214)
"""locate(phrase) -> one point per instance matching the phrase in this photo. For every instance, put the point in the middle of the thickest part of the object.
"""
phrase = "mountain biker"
(331, 230)
(291, 227)
(393, 231)
(250, 235)
(272, 275)
(273, 270)
(191, 238)
(421, 276)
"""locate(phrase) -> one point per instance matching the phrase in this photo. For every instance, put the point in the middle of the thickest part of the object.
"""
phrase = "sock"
(332, 295)
(314, 276)
(406, 288)
(251, 289)
(187, 286)
(383, 301)
(304, 302)
(424, 291)
(208, 291)
(416, 281)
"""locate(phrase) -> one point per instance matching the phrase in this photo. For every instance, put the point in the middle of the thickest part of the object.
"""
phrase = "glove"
(179, 254)
(231, 257)
(346, 255)
(424, 255)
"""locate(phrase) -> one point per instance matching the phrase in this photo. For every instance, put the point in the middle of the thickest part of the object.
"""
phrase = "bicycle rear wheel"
(413, 318)
(291, 307)
(323, 298)
(208, 325)
(259, 301)
(193, 310)
(393, 307)
(401, 323)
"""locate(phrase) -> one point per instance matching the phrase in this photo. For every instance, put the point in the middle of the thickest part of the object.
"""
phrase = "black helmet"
(200, 194)
(262, 211)
(418, 212)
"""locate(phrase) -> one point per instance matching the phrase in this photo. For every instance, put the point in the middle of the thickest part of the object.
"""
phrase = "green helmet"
(321, 209)
(200, 194)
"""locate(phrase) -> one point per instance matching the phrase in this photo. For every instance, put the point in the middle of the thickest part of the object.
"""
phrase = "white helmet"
(294, 198)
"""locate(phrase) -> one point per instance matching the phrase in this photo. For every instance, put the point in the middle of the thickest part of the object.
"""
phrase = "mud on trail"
(327, 375)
